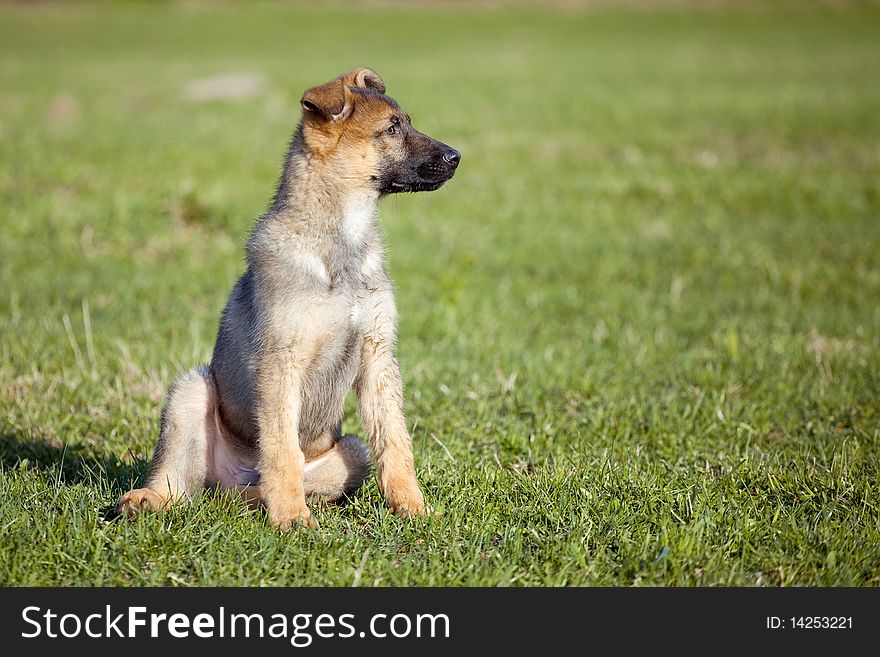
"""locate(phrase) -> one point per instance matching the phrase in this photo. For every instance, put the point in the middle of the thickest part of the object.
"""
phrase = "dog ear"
(328, 100)
(367, 78)
(332, 100)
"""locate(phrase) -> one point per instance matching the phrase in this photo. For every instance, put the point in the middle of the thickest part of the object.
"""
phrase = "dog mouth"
(425, 178)
(417, 186)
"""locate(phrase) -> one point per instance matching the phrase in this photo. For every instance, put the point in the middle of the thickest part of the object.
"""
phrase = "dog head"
(368, 140)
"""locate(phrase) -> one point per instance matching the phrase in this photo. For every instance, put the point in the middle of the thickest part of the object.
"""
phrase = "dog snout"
(452, 157)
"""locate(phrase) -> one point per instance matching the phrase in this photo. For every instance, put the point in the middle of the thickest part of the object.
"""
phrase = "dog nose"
(452, 157)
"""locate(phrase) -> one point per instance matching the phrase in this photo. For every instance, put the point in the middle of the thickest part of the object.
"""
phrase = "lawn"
(640, 330)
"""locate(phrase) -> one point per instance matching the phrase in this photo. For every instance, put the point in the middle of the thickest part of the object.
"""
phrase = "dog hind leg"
(180, 462)
(338, 472)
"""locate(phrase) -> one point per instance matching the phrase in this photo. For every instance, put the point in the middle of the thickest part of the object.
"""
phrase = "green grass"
(640, 330)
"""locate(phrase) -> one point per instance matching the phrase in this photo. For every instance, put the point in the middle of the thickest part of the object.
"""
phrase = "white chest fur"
(359, 217)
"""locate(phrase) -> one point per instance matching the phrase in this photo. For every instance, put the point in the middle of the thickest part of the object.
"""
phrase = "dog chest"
(359, 218)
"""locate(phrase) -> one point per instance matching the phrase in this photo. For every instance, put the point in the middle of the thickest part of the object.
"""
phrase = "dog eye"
(392, 129)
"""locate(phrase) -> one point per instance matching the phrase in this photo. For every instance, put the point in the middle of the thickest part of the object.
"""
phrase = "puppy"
(312, 316)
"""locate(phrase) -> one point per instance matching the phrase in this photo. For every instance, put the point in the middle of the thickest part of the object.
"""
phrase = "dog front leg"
(379, 389)
(282, 464)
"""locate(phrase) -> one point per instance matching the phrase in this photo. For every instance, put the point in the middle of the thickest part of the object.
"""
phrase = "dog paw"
(291, 517)
(140, 500)
(408, 503)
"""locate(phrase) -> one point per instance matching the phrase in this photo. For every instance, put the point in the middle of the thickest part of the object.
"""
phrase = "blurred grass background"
(639, 330)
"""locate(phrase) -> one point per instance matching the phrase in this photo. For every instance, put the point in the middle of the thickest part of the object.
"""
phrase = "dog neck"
(359, 216)
(315, 196)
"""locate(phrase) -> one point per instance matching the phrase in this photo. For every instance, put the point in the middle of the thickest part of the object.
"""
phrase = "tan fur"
(312, 317)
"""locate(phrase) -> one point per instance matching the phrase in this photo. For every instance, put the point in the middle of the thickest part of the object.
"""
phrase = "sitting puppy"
(311, 317)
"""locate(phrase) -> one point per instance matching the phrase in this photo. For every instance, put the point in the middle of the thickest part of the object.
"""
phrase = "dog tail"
(339, 471)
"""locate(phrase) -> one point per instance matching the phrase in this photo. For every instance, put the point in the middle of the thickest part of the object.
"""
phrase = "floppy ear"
(365, 77)
(328, 101)
(332, 100)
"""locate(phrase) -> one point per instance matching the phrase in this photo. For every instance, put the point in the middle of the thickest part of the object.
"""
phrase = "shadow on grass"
(70, 464)
(84, 464)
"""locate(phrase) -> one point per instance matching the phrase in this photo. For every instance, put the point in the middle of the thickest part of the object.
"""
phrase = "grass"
(640, 331)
